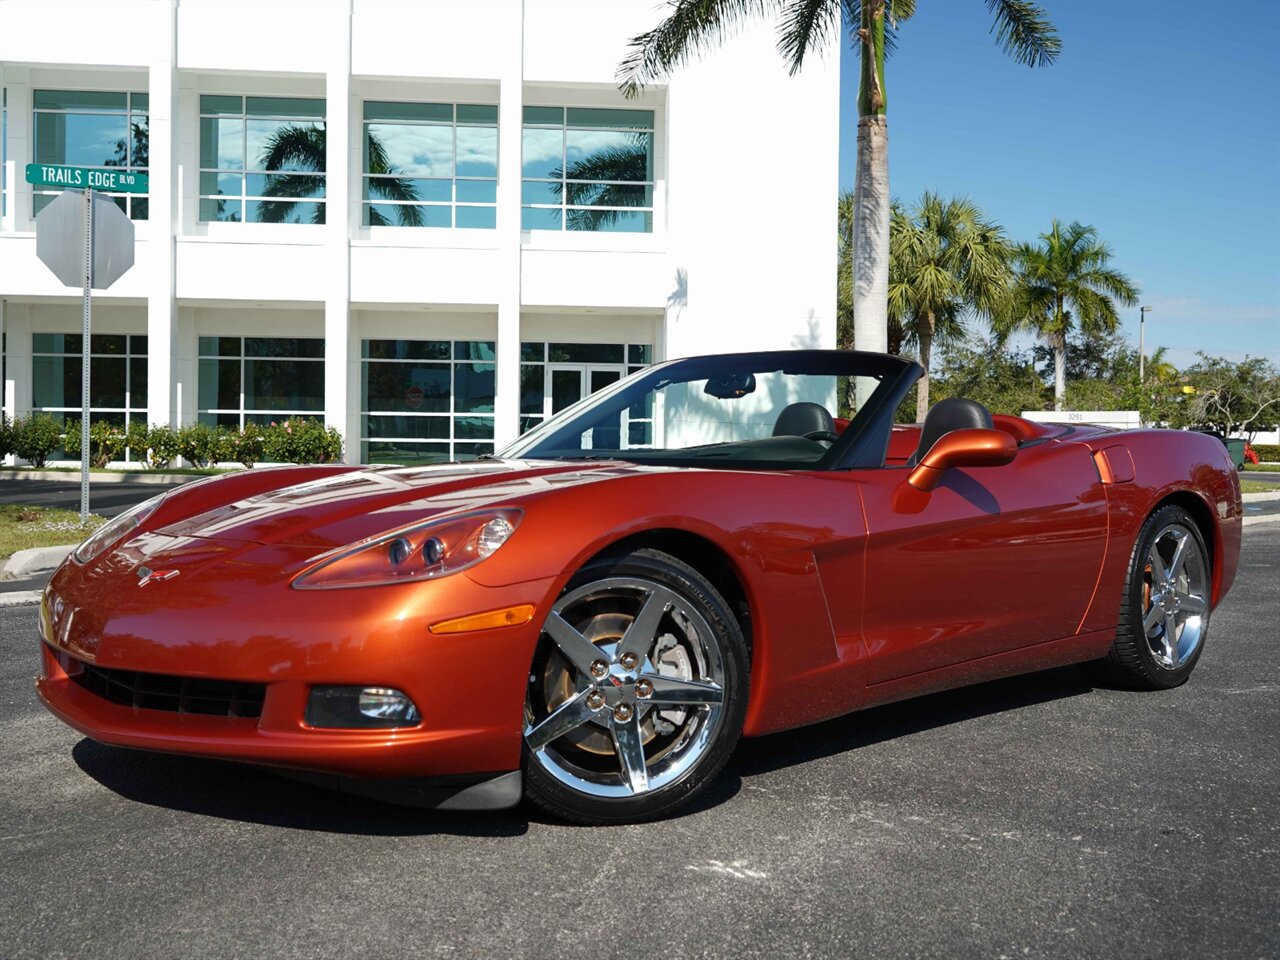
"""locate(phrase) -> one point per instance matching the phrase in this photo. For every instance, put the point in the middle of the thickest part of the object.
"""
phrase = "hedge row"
(1267, 452)
(301, 440)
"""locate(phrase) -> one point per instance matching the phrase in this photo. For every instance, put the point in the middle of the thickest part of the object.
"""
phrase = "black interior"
(798, 419)
(953, 413)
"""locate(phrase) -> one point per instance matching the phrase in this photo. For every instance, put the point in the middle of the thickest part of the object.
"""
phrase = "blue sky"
(1159, 125)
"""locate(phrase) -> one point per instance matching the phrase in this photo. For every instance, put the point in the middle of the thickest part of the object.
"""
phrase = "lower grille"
(159, 691)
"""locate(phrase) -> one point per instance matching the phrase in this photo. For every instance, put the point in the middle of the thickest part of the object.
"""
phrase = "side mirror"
(962, 448)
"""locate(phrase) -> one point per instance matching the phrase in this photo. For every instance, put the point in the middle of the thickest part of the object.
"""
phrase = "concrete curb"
(1260, 497)
(73, 476)
(19, 598)
(27, 563)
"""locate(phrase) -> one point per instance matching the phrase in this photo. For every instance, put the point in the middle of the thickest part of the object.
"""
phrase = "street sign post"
(87, 241)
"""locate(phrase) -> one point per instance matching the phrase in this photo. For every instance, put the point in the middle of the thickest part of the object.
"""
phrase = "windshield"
(803, 409)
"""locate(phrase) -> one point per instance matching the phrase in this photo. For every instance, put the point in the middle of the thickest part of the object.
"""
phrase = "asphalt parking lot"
(1032, 817)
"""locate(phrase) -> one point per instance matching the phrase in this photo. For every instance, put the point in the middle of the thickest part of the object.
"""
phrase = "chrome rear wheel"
(1176, 591)
(1165, 611)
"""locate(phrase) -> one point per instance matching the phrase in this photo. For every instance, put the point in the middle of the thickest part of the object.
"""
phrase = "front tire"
(637, 691)
(1164, 615)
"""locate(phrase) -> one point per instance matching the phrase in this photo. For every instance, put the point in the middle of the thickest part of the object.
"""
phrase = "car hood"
(343, 508)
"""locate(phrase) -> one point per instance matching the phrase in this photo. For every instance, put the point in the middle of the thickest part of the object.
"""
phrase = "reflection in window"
(262, 159)
(91, 128)
(117, 378)
(260, 379)
(426, 401)
(430, 164)
(587, 169)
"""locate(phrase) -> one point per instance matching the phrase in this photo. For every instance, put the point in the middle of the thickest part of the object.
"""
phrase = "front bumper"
(229, 620)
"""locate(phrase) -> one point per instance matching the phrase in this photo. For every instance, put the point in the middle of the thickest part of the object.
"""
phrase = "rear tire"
(1164, 612)
(624, 725)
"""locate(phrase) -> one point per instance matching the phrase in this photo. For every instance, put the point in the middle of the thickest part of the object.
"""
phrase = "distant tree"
(1066, 283)
(1002, 380)
(1233, 397)
(945, 261)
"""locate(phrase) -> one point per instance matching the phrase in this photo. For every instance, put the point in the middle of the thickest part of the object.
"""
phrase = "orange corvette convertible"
(592, 618)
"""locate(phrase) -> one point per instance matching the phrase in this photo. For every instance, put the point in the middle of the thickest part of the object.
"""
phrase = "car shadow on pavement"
(904, 718)
(232, 791)
(249, 794)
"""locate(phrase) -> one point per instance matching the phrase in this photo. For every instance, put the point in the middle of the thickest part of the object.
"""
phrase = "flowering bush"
(301, 440)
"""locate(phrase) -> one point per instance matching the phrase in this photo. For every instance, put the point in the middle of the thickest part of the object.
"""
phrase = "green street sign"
(110, 181)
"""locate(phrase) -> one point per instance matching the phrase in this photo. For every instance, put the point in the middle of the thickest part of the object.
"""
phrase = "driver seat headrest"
(953, 413)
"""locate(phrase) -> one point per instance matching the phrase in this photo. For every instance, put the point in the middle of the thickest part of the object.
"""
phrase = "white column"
(17, 214)
(6, 385)
(17, 385)
(510, 23)
(161, 226)
(338, 385)
(8, 168)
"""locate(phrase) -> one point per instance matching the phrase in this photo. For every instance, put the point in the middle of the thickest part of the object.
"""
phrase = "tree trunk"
(1059, 343)
(926, 351)
(871, 194)
(871, 237)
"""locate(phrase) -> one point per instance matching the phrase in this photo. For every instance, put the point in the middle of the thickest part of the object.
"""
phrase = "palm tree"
(1022, 30)
(1064, 283)
(945, 260)
(302, 147)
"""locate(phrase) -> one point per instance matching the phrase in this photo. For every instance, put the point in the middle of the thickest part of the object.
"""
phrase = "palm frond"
(804, 25)
(1024, 31)
(691, 27)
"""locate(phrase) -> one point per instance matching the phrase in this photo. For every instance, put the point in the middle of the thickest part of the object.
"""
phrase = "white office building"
(429, 222)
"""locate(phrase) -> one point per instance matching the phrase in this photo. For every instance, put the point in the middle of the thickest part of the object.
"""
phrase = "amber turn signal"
(506, 617)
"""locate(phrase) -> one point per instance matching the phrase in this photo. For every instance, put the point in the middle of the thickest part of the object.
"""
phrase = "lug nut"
(629, 661)
(644, 689)
(599, 669)
(595, 699)
(622, 712)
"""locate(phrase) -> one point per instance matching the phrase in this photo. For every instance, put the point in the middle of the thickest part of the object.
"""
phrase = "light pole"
(1142, 344)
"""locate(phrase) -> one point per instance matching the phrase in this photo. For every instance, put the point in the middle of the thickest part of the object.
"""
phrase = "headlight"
(114, 530)
(423, 552)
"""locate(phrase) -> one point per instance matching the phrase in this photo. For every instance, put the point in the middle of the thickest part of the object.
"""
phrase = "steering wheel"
(821, 435)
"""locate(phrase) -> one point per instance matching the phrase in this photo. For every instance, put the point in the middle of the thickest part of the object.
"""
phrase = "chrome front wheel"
(633, 698)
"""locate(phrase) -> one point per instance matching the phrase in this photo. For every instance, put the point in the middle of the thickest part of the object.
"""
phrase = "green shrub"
(35, 437)
(166, 446)
(198, 444)
(137, 440)
(6, 436)
(107, 442)
(1268, 452)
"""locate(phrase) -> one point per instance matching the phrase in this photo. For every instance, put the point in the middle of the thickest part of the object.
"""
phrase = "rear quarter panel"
(1191, 468)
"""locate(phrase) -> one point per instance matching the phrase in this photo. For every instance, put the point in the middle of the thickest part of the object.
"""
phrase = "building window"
(587, 169)
(117, 377)
(555, 375)
(430, 164)
(260, 379)
(426, 401)
(91, 128)
(262, 159)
